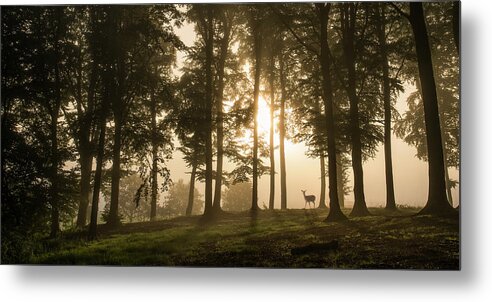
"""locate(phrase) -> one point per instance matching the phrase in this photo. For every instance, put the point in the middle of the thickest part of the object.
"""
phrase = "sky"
(303, 173)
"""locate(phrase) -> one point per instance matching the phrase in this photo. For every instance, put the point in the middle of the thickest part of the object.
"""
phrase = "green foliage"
(177, 199)
(237, 197)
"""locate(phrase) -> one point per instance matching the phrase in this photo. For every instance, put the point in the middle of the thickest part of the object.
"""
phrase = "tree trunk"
(256, 92)
(224, 47)
(55, 210)
(113, 218)
(85, 143)
(191, 194)
(98, 175)
(348, 21)
(283, 172)
(340, 182)
(85, 161)
(55, 160)
(208, 113)
(153, 198)
(271, 202)
(322, 202)
(388, 162)
(437, 202)
(335, 213)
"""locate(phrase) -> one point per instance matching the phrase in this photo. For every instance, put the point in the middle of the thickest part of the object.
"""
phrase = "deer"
(308, 199)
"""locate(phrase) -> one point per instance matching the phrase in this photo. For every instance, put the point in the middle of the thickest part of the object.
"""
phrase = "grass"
(384, 240)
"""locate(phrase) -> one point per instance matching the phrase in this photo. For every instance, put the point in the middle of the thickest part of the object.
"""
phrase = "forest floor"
(281, 239)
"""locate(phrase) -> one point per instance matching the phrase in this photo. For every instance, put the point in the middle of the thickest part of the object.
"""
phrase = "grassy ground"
(384, 240)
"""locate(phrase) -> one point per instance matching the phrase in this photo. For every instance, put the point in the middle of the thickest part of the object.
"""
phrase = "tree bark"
(55, 210)
(55, 160)
(257, 50)
(348, 22)
(340, 182)
(437, 202)
(322, 202)
(85, 161)
(113, 218)
(85, 143)
(388, 162)
(98, 174)
(153, 198)
(191, 193)
(335, 213)
(224, 47)
(271, 202)
(208, 112)
(283, 172)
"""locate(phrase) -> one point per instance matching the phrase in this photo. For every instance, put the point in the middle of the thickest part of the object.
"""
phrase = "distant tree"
(237, 197)
(176, 202)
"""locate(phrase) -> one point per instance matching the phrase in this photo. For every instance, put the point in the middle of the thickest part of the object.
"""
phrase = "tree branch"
(286, 24)
(400, 11)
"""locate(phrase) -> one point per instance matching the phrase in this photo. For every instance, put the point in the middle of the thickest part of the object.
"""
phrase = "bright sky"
(410, 174)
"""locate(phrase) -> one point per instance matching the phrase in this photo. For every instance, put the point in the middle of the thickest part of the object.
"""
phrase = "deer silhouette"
(308, 199)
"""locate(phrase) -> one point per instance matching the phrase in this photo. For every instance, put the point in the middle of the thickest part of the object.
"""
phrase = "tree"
(100, 24)
(256, 32)
(175, 203)
(236, 197)
(388, 162)
(437, 202)
(83, 78)
(335, 213)
(227, 19)
(411, 127)
(205, 16)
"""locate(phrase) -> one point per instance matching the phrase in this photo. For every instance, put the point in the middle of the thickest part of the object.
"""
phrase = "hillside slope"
(293, 238)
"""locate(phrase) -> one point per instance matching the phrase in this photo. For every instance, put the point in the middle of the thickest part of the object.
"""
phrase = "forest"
(100, 102)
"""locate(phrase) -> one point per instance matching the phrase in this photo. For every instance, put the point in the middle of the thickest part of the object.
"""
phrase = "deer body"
(308, 198)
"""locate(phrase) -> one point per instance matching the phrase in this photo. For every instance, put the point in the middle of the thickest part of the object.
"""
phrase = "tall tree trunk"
(283, 172)
(388, 162)
(340, 181)
(98, 174)
(113, 218)
(85, 142)
(437, 202)
(153, 198)
(271, 202)
(335, 213)
(322, 202)
(256, 92)
(208, 112)
(85, 162)
(55, 210)
(224, 47)
(55, 160)
(348, 21)
(191, 193)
